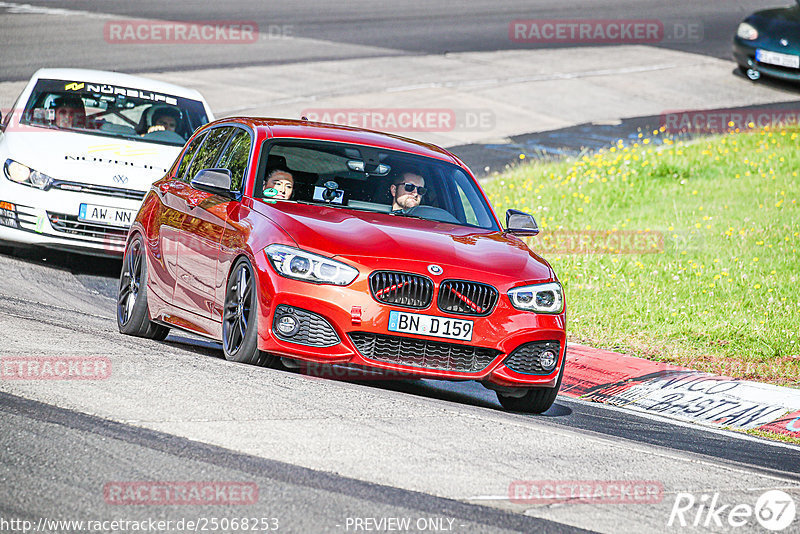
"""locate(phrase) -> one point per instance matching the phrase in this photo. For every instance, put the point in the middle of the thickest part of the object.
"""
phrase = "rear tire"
(240, 318)
(536, 400)
(133, 316)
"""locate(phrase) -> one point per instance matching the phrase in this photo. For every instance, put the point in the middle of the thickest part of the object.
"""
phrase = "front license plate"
(429, 325)
(776, 58)
(106, 215)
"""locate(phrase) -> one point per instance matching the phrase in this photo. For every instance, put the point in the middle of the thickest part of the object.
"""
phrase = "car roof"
(303, 129)
(116, 78)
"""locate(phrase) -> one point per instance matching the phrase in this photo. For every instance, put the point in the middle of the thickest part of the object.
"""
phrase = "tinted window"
(209, 153)
(188, 155)
(235, 158)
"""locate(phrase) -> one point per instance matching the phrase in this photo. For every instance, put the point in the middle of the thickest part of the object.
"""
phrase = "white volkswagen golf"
(80, 149)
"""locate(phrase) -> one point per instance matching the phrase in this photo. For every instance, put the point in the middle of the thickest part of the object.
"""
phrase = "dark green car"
(768, 42)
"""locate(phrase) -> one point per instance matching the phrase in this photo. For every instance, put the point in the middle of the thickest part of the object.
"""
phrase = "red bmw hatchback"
(291, 241)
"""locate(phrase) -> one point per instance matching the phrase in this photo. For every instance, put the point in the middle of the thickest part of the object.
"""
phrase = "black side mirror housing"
(215, 181)
(520, 223)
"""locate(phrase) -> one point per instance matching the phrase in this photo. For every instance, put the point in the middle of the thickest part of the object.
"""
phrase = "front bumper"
(50, 219)
(744, 52)
(363, 340)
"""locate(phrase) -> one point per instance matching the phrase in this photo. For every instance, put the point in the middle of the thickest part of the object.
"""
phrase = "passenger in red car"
(281, 181)
(407, 192)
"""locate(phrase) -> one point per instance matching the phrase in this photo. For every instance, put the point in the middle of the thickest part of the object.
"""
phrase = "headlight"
(17, 172)
(540, 298)
(747, 32)
(301, 265)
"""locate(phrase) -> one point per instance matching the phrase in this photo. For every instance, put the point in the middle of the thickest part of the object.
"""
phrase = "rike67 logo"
(774, 510)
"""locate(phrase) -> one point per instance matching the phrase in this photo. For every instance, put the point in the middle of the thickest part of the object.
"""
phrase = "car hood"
(90, 159)
(775, 24)
(359, 235)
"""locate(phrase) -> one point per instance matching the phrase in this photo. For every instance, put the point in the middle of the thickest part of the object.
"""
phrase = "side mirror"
(521, 223)
(215, 181)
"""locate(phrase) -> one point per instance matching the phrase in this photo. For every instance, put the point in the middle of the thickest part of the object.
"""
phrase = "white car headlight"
(540, 298)
(747, 32)
(302, 265)
(17, 172)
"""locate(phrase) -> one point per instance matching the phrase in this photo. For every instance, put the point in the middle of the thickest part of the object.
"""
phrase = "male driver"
(281, 181)
(165, 119)
(407, 192)
(69, 112)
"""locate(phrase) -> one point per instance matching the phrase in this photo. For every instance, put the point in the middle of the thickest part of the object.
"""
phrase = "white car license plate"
(429, 325)
(775, 58)
(106, 215)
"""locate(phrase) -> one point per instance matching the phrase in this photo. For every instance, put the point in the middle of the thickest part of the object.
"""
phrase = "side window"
(469, 204)
(235, 158)
(469, 213)
(187, 157)
(207, 155)
(7, 117)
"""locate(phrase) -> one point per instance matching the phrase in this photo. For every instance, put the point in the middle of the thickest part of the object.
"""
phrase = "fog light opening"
(548, 360)
(288, 325)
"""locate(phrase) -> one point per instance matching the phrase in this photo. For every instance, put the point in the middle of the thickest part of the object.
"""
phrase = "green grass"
(720, 293)
(771, 435)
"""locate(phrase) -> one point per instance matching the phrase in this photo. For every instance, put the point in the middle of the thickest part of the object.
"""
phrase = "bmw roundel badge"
(435, 269)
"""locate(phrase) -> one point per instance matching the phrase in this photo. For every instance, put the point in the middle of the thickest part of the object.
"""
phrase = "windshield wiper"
(401, 213)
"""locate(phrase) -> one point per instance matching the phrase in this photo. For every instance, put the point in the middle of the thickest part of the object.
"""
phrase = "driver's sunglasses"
(410, 188)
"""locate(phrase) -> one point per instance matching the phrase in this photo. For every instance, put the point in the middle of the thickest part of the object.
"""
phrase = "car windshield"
(113, 111)
(372, 179)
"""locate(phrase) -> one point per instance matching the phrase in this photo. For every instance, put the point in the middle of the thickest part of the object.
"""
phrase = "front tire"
(536, 400)
(133, 316)
(240, 318)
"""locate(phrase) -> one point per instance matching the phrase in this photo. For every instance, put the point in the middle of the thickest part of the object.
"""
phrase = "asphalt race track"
(176, 410)
(357, 28)
(332, 455)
